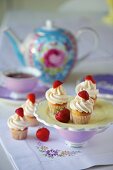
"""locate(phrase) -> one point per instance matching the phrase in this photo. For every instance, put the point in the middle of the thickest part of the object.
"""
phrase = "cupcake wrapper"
(19, 134)
(32, 121)
(56, 108)
(79, 119)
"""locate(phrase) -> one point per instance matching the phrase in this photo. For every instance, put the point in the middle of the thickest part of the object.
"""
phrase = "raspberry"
(63, 115)
(43, 134)
(57, 83)
(31, 97)
(90, 77)
(84, 94)
(20, 112)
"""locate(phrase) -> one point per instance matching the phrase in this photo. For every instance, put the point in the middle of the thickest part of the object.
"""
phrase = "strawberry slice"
(56, 83)
(84, 94)
(43, 134)
(31, 97)
(90, 77)
(63, 115)
(20, 112)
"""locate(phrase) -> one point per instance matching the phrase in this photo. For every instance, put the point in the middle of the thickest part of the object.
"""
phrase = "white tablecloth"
(32, 153)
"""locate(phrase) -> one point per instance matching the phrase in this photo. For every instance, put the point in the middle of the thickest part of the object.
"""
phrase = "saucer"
(7, 94)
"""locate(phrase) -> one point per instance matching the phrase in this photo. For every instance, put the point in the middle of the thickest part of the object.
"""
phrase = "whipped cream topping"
(57, 95)
(82, 105)
(28, 108)
(89, 87)
(17, 122)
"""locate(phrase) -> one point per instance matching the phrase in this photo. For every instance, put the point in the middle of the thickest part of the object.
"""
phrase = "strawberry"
(63, 115)
(84, 94)
(57, 83)
(90, 77)
(31, 97)
(43, 134)
(20, 112)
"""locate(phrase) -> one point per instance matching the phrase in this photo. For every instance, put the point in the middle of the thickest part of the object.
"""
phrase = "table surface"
(100, 61)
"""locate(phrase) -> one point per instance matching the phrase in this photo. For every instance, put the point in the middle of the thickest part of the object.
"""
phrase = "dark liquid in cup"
(19, 75)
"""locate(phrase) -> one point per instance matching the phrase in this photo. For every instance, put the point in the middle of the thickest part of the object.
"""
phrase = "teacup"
(20, 80)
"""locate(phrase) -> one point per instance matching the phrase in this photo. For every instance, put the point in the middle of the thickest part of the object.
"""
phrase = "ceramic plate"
(102, 117)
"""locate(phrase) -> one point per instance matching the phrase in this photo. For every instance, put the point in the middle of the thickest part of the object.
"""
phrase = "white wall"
(3, 8)
(32, 5)
(36, 4)
(61, 6)
(84, 6)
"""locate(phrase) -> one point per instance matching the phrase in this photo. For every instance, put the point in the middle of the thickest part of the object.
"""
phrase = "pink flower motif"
(54, 58)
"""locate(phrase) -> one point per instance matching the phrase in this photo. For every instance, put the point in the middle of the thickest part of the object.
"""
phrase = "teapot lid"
(49, 28)
(49, 25)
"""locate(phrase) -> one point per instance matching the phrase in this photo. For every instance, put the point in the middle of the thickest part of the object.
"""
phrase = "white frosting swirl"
(82, 105)
(89, 87)
(17, 122)
(56, 95)
(28, 108)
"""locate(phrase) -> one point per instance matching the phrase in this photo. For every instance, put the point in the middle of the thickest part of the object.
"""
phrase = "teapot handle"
(95, 37)
(2, 84)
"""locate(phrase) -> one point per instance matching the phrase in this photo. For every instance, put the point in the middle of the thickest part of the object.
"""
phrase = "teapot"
(50, 49)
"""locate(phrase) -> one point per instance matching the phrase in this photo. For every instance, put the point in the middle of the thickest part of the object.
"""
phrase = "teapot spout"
(16, 45)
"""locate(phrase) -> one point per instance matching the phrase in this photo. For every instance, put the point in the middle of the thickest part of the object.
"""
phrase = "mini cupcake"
(56, 97)
(81, 108)
(29, 110)
(17, 124)
(90, 86)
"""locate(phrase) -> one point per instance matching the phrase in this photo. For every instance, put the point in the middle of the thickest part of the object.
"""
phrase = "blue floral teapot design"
(51, 50)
